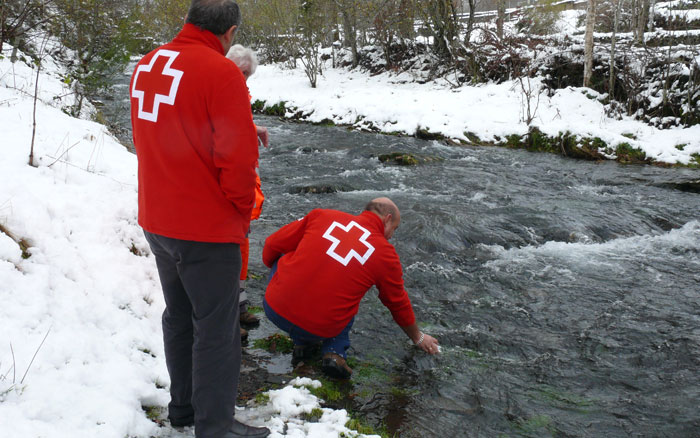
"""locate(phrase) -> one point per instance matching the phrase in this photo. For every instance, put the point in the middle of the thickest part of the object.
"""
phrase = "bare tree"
(616, 21)
(500, 17)
(588, 44)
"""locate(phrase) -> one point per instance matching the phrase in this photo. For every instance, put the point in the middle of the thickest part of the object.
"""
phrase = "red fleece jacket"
(195, 141)
(330, 260)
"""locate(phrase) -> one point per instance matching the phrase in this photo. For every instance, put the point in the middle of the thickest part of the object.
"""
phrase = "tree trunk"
(588, 44)
(501, 17)
(641, 21)
(650, 26)
(470, 21)
(616, 22)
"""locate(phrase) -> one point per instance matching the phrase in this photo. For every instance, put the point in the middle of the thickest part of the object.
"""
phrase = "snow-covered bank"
(86, 283)
(397, 104)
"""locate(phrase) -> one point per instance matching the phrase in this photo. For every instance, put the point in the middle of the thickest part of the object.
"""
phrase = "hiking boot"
(335, 366)
(244, 334)
(181, 423)
(240, 430)
(248, 319)
(303, 352)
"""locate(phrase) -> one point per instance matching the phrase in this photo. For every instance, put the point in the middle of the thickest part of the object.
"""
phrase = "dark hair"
(382, 208)
(216, 16)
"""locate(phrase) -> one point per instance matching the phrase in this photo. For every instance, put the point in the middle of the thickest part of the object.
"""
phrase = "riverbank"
(81, 350)
(534, 113)
(487, 114)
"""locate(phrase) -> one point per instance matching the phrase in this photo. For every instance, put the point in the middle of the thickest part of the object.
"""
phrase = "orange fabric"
(259, 199)
(245, 250)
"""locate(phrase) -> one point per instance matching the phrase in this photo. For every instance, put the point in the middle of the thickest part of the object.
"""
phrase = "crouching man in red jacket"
(197, 147)
(322, 266)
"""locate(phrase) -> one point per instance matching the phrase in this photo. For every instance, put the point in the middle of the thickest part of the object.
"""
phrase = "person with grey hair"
(244, 58)
(197, 149)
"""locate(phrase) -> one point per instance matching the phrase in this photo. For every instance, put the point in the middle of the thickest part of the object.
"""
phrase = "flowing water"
(565, 294)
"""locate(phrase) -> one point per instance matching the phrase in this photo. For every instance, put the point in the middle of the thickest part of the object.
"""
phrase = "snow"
(80, 336)
(396, 104)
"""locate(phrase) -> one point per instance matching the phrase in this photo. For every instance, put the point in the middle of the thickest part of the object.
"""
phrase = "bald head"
(388, 212)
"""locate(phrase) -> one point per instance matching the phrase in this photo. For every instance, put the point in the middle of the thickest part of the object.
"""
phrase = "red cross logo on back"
(156, 83)
(350, 242)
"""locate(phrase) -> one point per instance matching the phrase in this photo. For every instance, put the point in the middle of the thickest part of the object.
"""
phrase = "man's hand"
(425, 342)
(263, 135)
(429, 344)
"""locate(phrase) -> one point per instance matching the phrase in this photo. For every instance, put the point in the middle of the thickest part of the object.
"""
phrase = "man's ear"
(230, 33)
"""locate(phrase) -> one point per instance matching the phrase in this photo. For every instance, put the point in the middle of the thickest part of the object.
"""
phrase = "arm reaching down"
(425, 342)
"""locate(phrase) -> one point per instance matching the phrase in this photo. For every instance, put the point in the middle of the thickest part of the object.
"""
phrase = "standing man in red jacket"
(322, 266)
(196, 146)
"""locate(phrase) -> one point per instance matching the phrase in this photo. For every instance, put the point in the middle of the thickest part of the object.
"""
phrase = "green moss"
(325, 122)
(329, 390)
(557, 397)
(278, 109)
(399, 158)
(262, 398)
(424, 134)
(253, 276)
(627, 154)
(537, 141)
(255, 309)
(154, 413)
(258, 106)
(24, 247)
(368, 372)
(472, 137)
(514, 141)
(536, 426)
(473, 354)
(681, 146)
(313, 416)
(277, 343)
(361, 427)
(629, 135)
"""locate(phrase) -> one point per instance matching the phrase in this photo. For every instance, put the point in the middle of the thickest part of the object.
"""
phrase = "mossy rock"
(473, 138)
(425, 134)
(627, 154)
(320, 189)
(258, 106)
(692, 186)
(277, 343)
(324, 122)
(278, 109)
(407, 159)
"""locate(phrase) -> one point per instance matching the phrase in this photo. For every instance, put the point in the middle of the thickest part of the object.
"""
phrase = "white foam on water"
(648, 247)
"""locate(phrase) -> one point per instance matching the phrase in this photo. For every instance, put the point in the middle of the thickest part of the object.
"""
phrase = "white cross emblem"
(158, 98)
(352, 244)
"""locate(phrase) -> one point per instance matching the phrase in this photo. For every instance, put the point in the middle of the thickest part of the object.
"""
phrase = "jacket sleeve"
(284, 241)
(235, 142)
(391, 289)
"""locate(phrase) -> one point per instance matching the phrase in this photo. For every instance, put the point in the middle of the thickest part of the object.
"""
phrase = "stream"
(565, 294)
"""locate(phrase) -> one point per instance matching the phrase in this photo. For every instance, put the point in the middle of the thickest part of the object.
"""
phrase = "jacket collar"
(194, 34)
(374, 221)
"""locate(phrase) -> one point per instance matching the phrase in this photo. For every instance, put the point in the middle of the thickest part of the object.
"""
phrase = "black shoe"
(182, 422)
(303, 352)
(240, 430)
(335, 366)
(249, 320)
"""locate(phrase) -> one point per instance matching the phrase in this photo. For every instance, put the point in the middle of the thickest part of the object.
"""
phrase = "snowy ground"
(398, 103)
(89, 288)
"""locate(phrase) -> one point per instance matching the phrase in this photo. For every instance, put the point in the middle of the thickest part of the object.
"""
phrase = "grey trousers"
(201, 330)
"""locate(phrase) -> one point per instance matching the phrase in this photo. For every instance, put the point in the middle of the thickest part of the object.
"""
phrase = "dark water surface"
(565, 294)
